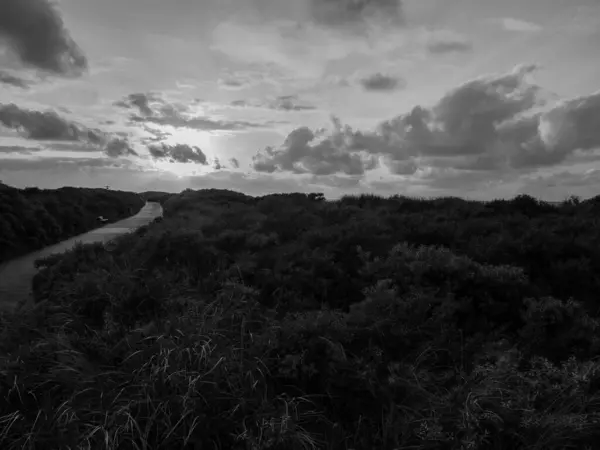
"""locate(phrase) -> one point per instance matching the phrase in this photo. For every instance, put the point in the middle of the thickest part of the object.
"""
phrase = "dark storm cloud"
(34, 30)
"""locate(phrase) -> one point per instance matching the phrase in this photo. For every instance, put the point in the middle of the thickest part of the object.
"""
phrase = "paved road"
(16, 275)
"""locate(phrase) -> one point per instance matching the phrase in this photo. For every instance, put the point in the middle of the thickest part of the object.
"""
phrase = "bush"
(288, 321)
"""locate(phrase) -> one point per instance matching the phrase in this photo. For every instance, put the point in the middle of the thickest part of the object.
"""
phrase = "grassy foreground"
(33, 218)
(291, 322)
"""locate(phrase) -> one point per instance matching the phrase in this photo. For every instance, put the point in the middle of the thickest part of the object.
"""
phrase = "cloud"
(382, 82)
(550, 137)
(494, 126)
(34, 30)
(288, 103)
(110, 145)
(440, 47)
(243, 104)
(198, 123)
(234, 80)
(157, 134)
(140, 101)
(306, 151)
(336, 81)
(300, 44)
(445, 41)
(280, 103)
(232, 84)
(47, 125)
(148, 104)
(354, 14)
(50, 162)
(18, 149)
(13, 80)
(217, 164)
(154, 109)
(178, 153)
(511, 24)
(50, 126)
(463, 126)
(585, 20)
(303, 153)
(119, 147)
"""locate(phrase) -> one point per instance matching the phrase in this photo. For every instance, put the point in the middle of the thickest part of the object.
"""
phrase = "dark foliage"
(155, 196)
(291, 322)
(33, 218)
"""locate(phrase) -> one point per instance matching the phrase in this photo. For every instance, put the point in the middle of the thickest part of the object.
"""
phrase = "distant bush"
(159, 197)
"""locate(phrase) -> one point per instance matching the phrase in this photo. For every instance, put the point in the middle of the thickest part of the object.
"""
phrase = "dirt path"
(16, 275)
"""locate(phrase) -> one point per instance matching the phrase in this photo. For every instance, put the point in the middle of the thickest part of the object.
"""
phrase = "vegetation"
(156, 196)
(291, 322)
(34, 218)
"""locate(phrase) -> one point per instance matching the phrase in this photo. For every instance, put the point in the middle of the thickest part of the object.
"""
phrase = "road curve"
(16, 275)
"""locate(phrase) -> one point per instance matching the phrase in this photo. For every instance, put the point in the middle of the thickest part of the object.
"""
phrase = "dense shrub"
(291, 322)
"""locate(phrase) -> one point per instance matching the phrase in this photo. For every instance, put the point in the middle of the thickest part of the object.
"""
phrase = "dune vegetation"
(293, 322)
(33, 218)
(157, 196)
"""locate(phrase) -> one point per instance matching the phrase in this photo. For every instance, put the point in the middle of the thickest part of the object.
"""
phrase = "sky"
(479, 99)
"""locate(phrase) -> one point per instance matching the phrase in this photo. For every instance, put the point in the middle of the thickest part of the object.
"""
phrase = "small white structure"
(102, 219)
